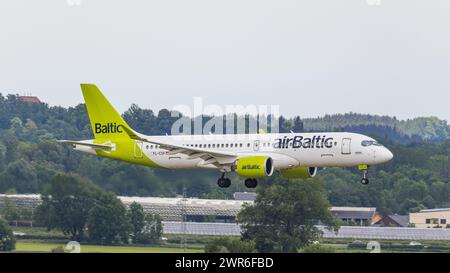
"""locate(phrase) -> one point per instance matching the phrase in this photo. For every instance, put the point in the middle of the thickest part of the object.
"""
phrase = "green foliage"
(146, 228)
(284, 215)
(418, 177)
(108, 222)
(58, 249)
(67, 203)
(230, 245)
(7, 240)
(21, 176)
(72, 204)
(152, 230)
(136, 215)
(318, 248)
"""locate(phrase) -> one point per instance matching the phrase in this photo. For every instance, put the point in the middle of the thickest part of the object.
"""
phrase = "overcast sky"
(310, 57)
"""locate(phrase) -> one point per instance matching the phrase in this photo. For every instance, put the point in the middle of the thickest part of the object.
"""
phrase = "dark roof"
(353, 212)
(353, 215)
(401, 220)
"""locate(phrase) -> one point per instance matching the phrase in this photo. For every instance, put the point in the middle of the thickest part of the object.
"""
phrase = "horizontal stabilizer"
(92, 145)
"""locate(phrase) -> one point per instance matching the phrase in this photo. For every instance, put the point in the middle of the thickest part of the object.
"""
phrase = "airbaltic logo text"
(109, 128)
(298, 142)
(250, 167)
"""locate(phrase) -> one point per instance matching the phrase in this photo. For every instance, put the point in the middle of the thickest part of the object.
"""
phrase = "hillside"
(418, 177)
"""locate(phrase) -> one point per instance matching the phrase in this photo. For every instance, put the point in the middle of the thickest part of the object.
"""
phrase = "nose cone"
(388, 155)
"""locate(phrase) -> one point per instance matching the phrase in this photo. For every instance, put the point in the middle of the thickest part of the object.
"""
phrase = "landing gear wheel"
(224, 182)
(251, 183)
(365, 181)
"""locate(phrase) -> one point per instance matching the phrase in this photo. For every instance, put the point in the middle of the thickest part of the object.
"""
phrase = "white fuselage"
(286, 150)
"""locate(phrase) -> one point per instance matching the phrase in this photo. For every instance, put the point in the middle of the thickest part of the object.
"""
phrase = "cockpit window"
(367, 143)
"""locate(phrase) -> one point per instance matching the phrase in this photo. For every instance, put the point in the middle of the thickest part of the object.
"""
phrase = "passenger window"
(226, 145)
(240, 145)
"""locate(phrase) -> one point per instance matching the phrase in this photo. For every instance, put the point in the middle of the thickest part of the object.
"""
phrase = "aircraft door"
(256, 145)
(346, 146)
(138, 148)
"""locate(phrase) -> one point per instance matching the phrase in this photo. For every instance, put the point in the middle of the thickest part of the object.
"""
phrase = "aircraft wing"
(81, 143)
(209, 156)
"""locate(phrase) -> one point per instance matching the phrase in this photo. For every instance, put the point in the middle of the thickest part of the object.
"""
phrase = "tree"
(137, 219)
(146, 228)
(108, 222)
(3, 158)
(20, 175)
(298, 125)
(230, 245)
(67, 203)
(10, 141)
(45, 214)
(152, 231)
(7, 240)
(284, 215)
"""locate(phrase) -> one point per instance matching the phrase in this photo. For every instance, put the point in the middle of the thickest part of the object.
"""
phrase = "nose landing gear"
(365, 171)
(224, 182)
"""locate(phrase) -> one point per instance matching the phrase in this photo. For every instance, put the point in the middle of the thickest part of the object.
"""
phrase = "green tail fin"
(106, 122)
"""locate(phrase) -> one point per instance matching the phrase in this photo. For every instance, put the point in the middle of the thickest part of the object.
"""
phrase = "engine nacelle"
(299, 172)
(254, 166)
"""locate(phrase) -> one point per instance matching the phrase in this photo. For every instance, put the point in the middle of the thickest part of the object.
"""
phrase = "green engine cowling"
(299, 172)
(254, 166)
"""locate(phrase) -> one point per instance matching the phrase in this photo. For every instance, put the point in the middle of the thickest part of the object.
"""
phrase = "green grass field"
(45, 247)
(42, 240)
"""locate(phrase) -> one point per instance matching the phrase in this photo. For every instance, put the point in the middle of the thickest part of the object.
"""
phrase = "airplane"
(251, 156)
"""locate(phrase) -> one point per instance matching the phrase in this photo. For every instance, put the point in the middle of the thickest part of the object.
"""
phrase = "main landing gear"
(251, 183)
(365, 171)
(224, 182)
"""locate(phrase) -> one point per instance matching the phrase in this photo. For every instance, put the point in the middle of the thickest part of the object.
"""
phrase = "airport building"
(217, 217)
(203, 210)
(357, 216)
(430, 218)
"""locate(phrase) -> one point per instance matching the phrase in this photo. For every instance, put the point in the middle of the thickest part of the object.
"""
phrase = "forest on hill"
(418, 177)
